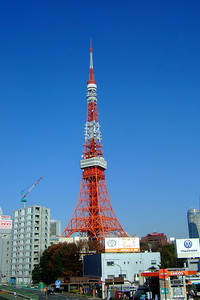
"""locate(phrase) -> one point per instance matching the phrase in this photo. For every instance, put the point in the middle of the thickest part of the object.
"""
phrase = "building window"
(153, 262)
(122, 275)
(29, 210)
(110, 263)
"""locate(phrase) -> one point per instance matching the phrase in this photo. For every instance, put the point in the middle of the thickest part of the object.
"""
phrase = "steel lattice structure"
(93, 216)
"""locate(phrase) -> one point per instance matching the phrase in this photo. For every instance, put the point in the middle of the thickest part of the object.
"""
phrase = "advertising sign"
(6, 224)
(122, 244)
(4, 217)
(187, 248)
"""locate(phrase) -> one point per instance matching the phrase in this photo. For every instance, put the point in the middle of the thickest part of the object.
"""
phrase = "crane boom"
(23, 198)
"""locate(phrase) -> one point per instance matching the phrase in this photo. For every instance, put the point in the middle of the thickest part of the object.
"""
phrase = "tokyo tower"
(93, 216)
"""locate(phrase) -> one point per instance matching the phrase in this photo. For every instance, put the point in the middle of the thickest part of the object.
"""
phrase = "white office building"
(30, 237)
(127, 265)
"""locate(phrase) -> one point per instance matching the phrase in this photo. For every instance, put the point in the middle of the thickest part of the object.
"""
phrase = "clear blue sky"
(147, 66)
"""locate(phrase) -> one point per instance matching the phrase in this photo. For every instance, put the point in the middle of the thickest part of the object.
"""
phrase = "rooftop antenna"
(23, 199)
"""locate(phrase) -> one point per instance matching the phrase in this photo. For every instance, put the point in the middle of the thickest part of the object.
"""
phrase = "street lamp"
(119, 276)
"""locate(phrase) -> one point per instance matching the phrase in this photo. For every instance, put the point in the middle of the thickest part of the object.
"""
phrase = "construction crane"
(23, 199)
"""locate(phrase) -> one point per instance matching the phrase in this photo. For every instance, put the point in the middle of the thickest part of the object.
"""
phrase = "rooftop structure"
(155, 238)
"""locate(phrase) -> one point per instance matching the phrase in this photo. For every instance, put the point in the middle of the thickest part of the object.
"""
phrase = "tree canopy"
(167, 253)
(60, 260)
(64, 260)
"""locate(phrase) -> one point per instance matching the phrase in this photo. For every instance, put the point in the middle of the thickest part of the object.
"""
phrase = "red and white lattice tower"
(93, 215)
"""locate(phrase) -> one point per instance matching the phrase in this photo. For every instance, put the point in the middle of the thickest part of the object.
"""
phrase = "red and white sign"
(4, 217)
(6, 224)
(122, 244)
(164, 273)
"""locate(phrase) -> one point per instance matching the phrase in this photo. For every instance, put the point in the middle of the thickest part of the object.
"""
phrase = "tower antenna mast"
(93, 216)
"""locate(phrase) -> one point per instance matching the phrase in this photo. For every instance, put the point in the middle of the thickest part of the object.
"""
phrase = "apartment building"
(30, 237)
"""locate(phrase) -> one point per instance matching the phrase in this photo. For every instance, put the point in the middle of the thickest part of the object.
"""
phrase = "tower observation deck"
(93, 216)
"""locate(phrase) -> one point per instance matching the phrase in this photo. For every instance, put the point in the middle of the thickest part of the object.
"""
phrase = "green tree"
(167, 253)
(72, 264)
(37, 274)
(60, 260)
(168, 257)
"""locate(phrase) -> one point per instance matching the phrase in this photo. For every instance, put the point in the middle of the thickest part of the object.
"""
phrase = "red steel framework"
(93, 216)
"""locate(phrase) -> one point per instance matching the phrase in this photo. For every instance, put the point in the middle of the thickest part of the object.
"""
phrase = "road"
(58, 296)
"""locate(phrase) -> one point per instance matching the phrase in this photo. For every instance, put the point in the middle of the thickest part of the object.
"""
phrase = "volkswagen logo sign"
(188, 244)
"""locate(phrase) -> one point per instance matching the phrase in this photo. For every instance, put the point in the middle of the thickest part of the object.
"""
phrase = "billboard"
(6, 224)
(187, 248)
(122, 244)
(4, 217)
